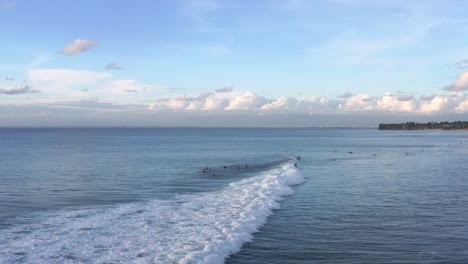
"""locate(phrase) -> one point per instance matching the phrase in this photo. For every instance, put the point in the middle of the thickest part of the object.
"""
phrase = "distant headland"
(457, 125)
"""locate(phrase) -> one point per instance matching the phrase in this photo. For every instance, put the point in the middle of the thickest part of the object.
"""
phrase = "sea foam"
(191, 228)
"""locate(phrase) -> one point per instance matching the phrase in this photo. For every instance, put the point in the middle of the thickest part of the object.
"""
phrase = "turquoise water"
(140, 195)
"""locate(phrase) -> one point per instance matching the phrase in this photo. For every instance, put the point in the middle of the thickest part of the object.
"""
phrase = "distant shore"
(457, 125)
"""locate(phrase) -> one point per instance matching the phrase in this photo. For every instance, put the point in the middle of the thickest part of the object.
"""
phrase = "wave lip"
(192, 228)
(251, 202)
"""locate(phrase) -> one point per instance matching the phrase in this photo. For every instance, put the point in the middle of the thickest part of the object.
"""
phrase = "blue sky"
(147, 62)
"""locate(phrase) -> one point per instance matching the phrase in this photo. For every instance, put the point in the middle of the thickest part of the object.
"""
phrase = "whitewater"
(203, 227)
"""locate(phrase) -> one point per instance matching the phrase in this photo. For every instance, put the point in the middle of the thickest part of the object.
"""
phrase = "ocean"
(223, 195)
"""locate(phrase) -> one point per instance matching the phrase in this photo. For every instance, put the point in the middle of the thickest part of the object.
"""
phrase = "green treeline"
(423, 126)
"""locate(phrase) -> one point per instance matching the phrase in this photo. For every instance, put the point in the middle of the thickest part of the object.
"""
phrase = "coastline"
(457, 125)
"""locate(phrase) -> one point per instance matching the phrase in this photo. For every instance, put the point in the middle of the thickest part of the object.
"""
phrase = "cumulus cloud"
(385, 103)
(460, 85)
(247, 101)
(215, 104)
(442, 103)
(78, 46)
(250, 102)
(391, 103)
(283, 103)
(20, 89)
(307, 105)
(358, 103)
(113, 66)
(226, 89)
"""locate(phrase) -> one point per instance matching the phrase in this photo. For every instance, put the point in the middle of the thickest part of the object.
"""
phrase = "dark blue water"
(139, 195)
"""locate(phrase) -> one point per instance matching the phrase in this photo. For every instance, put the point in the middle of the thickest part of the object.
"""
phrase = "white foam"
(195, 228)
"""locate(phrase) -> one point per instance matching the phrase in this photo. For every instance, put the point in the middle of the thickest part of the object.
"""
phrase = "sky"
(271, 63)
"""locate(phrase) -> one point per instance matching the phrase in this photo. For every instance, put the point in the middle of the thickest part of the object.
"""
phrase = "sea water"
(173, 195)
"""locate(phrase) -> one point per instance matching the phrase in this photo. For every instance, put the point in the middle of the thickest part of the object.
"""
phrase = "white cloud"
(318, 104)
(283, 103)
(247, 101)
(307, 105)
(128, 86)
(460, 85)
(391, 103)
(442, 104)
(60, 80)
(181, 103)
(252, 103)
(78, 46)
(213, 103)
(358, 103)
(462, 107)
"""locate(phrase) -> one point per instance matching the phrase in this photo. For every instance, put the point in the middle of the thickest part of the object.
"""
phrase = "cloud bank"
(361, 103)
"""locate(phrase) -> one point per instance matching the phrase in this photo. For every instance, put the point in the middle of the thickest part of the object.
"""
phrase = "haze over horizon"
(291, 63)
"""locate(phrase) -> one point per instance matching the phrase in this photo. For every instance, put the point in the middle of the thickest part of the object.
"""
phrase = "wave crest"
(193, 228)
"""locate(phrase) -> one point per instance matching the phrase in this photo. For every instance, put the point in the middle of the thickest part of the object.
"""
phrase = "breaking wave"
(191, 228)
